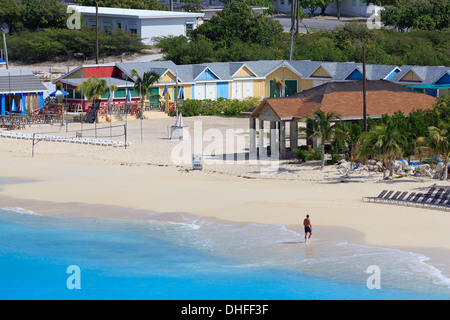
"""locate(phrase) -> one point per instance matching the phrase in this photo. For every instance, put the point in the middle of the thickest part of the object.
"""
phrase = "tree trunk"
(323, 155)
(338, 6)
(445, 173)
(391, 168)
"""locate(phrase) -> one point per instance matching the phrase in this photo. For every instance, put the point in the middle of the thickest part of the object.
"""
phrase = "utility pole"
(364, 89)
(96, 32)
(293, 19)
(5, 30)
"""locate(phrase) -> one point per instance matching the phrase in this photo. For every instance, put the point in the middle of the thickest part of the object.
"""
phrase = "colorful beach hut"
(21, 90)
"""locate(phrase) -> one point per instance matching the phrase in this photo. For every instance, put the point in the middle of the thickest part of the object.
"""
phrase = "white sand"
(145, 177)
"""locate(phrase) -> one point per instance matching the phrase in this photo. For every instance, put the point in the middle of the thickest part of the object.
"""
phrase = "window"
(133, 30)
(362, 3)
(189, 26)
(353, 3)
(119, 25)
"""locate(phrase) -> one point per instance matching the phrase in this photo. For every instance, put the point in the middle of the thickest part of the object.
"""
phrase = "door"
(236, 90)
(199, 91)
(211, 90)
(247, 88)
(291, 87)
(154, 97)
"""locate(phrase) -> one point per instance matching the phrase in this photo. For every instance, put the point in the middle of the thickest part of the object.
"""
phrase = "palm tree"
(439, 142)
(144, 83)
(93, 88)
(279, 85)
(385, 141)
(320, 125)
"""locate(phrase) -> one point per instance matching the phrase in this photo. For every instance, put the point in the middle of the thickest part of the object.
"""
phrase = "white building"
(147, 24)
(352, 8)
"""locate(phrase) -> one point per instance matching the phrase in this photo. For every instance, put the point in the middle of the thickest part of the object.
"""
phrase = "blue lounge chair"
(350, 170)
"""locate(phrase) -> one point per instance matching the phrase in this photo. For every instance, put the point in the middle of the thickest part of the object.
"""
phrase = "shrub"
(303, 155)
(221, 106)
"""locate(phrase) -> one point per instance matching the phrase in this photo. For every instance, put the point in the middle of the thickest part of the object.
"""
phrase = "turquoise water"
(180, 256)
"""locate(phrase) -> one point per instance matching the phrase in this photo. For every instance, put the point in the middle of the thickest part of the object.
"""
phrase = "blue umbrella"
(128, 96)
(181, 94)
(166, 91)
(59, 93)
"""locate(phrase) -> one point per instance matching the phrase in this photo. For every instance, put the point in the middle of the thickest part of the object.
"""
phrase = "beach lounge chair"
(380, 196)
(437, 196)
(445, 197)
(386, 197)
(402, 196)
(350, 170)
(395, 196)
(427, 196)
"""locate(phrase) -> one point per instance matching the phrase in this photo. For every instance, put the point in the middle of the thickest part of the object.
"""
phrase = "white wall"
(354, 8)
(146, 28)
(348, 8)
(164, 27)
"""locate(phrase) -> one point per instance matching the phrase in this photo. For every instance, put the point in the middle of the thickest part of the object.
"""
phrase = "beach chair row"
(434, 200)
(40, 137)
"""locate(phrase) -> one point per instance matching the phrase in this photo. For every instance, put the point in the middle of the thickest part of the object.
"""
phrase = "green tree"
(11, 13)
(384, 140)
(237, 21)
(126, 4)
(313, 5)
(93, 88)
(322, 125)
(348, 142)
(420, 14)
(33, 14)
(144, 83)
(182, 51)
(439, 142)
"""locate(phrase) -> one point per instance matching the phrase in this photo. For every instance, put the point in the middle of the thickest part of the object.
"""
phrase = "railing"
(19, 121)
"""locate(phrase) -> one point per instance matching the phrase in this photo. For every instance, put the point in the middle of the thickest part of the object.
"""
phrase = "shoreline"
(142, 179)
(439, 257)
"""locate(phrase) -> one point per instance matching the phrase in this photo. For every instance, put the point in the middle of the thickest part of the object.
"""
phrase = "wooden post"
(252, 128)
(261, 137)
(293, 134)
(282, 133)
(96, 32)
(364, 89)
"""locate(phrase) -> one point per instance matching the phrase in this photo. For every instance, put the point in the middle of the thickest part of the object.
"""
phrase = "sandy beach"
(144, 177)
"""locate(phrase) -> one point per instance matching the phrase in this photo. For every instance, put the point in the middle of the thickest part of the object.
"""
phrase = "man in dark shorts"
(308, 227)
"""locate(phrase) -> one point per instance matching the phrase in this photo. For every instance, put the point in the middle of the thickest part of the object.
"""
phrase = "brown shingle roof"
(346, 100)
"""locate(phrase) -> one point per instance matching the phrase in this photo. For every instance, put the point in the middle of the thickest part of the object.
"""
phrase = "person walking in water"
(308, 227)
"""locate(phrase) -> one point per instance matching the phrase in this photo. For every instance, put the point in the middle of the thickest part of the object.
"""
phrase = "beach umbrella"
(179, 122)
(13, 106)
(181, 93)
(166, 91)
(128, 96)
(110, 96)
(21, 107)
(59, 93)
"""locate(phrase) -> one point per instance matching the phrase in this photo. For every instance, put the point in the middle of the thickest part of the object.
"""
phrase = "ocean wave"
(20, 211)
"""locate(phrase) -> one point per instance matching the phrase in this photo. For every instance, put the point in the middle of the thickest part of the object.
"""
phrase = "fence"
(19, 121)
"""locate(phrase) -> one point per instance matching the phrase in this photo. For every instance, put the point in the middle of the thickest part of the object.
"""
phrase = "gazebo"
(343, 98)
